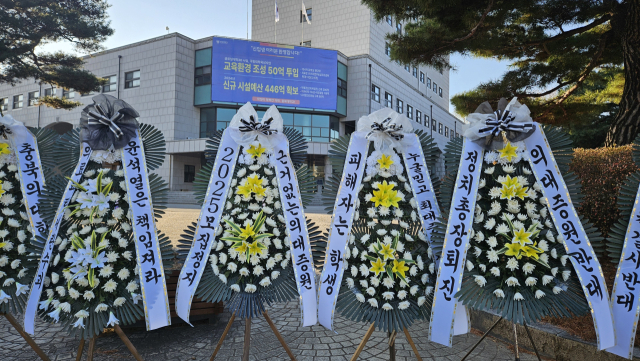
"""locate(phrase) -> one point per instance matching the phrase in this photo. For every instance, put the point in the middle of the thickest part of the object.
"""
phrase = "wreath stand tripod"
(92, 344)
(26, 337)
(515, 334)
(392, 341)
(247, 337)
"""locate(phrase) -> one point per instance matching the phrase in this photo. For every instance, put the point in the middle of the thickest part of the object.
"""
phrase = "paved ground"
(181, 342)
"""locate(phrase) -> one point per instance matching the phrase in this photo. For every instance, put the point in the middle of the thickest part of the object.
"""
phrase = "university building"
(167, 79)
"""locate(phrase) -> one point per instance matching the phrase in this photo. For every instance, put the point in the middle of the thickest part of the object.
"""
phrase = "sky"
(137, 20)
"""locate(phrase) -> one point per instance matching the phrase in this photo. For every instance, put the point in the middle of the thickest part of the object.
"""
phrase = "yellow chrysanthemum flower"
(387, 252)
(399, 267)
(385, 161)
(377, 266)
(522, 237)
(4, 148)
(256, 151)
(509, 151)
(507, 192)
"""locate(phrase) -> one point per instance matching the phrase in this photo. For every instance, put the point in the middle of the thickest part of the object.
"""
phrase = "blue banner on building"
(265, 73)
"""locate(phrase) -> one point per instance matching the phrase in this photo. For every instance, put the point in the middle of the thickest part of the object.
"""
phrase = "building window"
(307, 43)
(309, 13)
(342, 87)
(111, 85)
(451, 134)
(415, 72)
(203, 75)
(17, 101)
(399, 28)
(387, 49)
(433, 125)
(457, 135)
(440, 92)
(422, 77)
(314, 128)
(399, 106)
(428, 82)
(375, 93)
(189, 173)
(389, 20)
(4, 104)
(440, 128)
(409, 111)
(33, 98)
(446, 131)
(418, 116)
(407, 68)
(435, 87)
(426, 121)
(68, 94)
(51, 92)
(132, 79)
(388, 100)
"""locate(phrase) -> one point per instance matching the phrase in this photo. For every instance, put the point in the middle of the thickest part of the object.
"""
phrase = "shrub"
(602, 172)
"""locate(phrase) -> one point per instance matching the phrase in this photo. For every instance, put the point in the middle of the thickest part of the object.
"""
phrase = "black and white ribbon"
(392, 130)
(254, 126)
(503, 121)
(101, 117)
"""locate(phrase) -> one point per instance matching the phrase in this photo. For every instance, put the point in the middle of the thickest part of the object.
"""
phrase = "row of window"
(423, 78)
(419, 117)
(314, 128)
(132, 80)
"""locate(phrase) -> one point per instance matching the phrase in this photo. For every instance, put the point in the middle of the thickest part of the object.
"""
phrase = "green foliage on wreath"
(97, 224)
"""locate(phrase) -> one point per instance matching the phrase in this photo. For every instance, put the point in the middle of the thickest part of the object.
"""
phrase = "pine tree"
(555, 47)
(26, 25)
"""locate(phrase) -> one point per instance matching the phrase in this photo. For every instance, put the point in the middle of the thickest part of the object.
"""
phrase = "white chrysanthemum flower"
(387, 307)
(557, 290)
(428, 291)
(15, 263)
(512, 263)
(528, 268)
(539, 294)
(566, 274)
(512, 282)
(265, 282)
(518, 297)
(492, 256)
(531, 281)
(495, 271)
(101, 307)
(88, 295)
(370, 291)
(132, 286)
(498, 293)
(502, 229)
(373, 302)
(470, 266)
(360, 297)
(495, 192)
(481, 281)
(388, 295)
(388, 282)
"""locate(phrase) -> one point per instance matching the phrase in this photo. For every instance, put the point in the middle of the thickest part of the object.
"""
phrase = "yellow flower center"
(522, 237)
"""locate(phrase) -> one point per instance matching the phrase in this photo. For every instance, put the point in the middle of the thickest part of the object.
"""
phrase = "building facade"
(167, 80)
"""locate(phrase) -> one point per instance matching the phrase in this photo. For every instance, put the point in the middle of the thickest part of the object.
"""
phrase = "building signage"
(264, 73)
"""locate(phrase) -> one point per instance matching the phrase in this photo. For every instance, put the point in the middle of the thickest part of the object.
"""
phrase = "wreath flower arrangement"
(16, 265)
(389, 267)
(514, 240)
(251, 247)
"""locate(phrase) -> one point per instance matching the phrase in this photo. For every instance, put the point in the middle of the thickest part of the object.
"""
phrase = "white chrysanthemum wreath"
(94, 267)
(388, 268)
(513, 239)
(15, 276)
(251, 247)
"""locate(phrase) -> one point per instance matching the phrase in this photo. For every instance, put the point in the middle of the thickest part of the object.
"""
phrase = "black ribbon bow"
(253, 125)
(4, 131)
(108, 122)
(392, 130)
(502, 121)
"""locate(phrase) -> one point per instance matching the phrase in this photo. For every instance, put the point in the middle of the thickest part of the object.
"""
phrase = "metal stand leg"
(532, 343)
(480, 340)
(92, 345)
(247, 339)
(363, 342)
(515, 336)
(26, 337)
(224, 334)
(279, 336)
(413, 345)
(392, 345)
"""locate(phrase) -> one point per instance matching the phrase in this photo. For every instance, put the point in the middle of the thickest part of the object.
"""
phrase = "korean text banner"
(266, 73)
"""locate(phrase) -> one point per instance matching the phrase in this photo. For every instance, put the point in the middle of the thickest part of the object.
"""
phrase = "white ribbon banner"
(210, 215)
(421, 183)
(576, 243)
(297, 230)
(152, 280)
(454, 250)
(43, 266)
(626, 292)
(341, 222)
